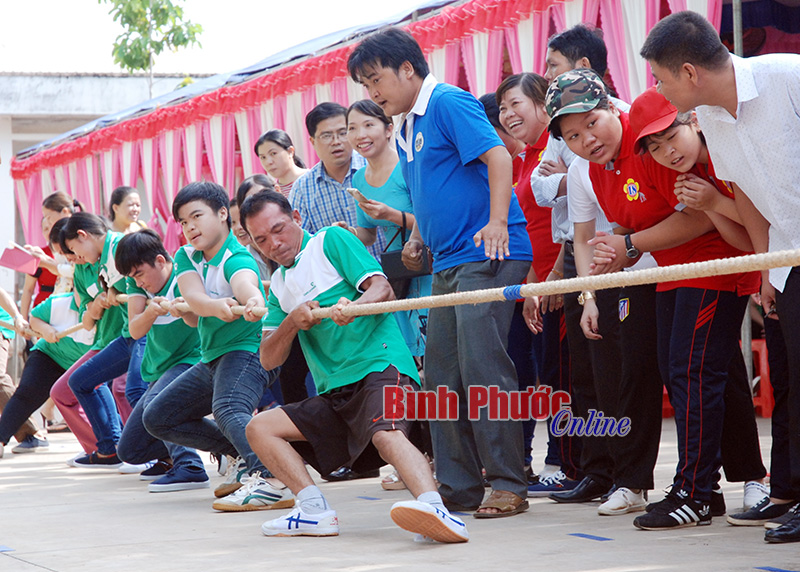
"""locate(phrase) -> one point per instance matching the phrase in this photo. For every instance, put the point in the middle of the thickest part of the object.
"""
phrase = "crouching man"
(352, 360)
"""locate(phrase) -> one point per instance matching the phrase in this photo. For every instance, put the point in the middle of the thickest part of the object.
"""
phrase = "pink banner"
(614, 28)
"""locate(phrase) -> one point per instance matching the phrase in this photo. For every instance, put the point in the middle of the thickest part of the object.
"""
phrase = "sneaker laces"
(251, 482)
(553, 479)
(233, 468)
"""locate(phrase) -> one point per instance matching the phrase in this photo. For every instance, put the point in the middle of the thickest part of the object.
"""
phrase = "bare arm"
(495, 234)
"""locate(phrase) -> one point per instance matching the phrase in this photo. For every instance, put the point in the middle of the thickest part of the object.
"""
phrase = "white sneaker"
(255, 494)
(428, 520)
(235, 472)
(622, 501)
(128, 469)
(754, 493)
(298, 523)
(71, 462)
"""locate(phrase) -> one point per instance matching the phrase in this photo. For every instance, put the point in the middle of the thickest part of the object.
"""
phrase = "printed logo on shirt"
(419, 142)
(631, 189)
(541, 153)
(313, 287)
(624, 309)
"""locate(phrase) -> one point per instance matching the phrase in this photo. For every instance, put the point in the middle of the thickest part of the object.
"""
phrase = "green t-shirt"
(333, 264)
(170, 340)
(5, 332)
(216, 336)
(113, 278)
(60, 311)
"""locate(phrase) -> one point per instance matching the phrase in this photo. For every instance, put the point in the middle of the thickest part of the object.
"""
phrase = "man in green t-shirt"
(216, 273)
(172, 348)
(352, 361)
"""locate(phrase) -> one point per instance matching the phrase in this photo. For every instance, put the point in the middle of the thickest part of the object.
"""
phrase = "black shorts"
(338, 426)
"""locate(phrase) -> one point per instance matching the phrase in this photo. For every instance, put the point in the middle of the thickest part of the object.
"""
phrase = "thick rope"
(718, 267)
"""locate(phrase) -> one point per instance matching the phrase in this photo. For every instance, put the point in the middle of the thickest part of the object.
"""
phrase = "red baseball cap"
(650, 113)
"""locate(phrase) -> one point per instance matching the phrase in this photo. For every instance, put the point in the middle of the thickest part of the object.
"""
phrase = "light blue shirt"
(321, 200)
(393, 193)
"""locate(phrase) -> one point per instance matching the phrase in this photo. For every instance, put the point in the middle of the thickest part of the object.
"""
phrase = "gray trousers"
(467, 347)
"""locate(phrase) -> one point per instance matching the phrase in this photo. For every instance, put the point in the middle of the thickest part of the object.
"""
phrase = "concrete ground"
(54, 517)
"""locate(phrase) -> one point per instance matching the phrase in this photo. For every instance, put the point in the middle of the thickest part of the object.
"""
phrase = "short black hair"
(489, 102)
(87, 222)
(555, 122)
(258, 181)
(137, 248)
(212, 194)
(389, 48)
(581, 41)
(685, 37)
(322, 112)
(55, 231)
(254, 204)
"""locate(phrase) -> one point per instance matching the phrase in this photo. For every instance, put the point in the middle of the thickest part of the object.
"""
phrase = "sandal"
(506, 502)
(393, 482)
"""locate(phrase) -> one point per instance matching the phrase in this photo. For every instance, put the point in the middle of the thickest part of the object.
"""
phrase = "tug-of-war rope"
(718, 267)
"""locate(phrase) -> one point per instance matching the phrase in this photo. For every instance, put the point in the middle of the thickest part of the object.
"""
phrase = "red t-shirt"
(45, 279)
(539, 227)
(748, 282)
(638, 193)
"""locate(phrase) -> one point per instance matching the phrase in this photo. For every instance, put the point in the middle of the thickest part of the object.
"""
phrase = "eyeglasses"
(327, 137)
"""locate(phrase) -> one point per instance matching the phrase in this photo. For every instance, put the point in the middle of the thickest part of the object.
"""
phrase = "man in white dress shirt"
(749, 112)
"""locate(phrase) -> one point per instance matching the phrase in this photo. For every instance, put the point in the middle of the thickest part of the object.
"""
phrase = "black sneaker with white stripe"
(676, 511)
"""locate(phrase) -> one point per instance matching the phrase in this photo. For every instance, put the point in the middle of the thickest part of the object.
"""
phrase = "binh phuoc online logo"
(495, 404)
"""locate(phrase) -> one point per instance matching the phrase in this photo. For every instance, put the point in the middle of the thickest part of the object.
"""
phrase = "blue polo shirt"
(448, 182)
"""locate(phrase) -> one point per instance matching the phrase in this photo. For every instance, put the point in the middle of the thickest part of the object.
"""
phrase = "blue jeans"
(91, 385)
(230, 387)
(137, 446)
(135, 386)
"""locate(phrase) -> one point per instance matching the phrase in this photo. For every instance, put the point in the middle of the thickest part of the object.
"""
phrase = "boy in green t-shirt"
(352, 361)
(172, 348)
(215, 273)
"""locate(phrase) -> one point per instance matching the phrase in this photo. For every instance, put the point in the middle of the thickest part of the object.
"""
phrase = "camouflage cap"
(575, 91)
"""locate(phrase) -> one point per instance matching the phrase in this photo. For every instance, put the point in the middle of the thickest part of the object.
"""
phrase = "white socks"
(311, 500)
(432, 498)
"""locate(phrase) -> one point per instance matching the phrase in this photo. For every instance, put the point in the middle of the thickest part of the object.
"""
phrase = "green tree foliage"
(151, 26)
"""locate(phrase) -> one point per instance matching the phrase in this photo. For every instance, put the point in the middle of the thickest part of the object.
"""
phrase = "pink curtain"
(614, 28)
(279, 112)
(453, 57)
(219, 134)
(470, 65)
(193, 152)
(339, 91)
(677, 5)
(130, 163)
(494, 60)
(87, 184)
(653, 12)
(149, 155)
(541, 31)
(111, 172)
(308, 102)
(255, 128)
(21, 187)
(170, 151)
(512, 41)
(62, 180)
(714, 14)
(591, 9)
(31, 218)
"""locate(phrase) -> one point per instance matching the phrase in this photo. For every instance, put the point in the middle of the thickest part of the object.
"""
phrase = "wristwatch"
(586, 295)
(630, 250)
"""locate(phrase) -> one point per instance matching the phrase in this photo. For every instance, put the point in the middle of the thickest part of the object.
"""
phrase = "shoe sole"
(177, 487)
(225, 490)
(251, 507)
(26, 450)
(615, 512)
(425, 523)
(148, 478)
(687, 525)
(328, 532)
(543, 494)
(773, 525)
(747, 522)
(114, 467)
